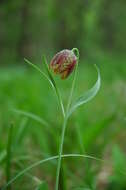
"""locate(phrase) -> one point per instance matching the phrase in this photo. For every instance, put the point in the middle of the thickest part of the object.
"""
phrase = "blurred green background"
(29, 29)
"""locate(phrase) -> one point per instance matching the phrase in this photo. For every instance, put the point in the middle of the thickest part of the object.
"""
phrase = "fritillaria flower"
(63, 63)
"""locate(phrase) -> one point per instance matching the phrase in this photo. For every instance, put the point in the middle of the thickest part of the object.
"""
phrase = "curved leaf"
(20, 174)
(87, 96)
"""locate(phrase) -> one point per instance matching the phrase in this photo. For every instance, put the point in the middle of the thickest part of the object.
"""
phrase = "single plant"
(63, 64)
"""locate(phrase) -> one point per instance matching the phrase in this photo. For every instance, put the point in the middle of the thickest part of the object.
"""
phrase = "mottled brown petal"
(63, 63)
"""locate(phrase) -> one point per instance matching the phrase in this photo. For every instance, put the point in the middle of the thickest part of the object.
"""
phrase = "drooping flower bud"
(63, 63)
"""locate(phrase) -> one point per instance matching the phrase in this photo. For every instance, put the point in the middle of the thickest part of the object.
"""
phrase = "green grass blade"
(38, 119)
(39, 70)
(32, 116)
(87, 96)
(9, 155)
(48, 71)
(21, 132)
(20, 174)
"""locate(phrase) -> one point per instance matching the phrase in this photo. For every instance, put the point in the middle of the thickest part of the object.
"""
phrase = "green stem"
(60, 153)
(72, 89)
(60, 101)
(75, 50)
(8, 161)
(62, 179)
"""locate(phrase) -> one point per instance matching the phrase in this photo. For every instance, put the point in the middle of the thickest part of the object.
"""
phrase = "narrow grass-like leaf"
(32, 177)
(21, 132)
(54, 85)
(20, 174)
(39, 70)
(9, 155)
(38, 119)
(48, 71)
(31, 116)
(87, 96)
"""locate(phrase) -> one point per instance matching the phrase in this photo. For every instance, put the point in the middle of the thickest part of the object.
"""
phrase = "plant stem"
(8, 162)
(75, 50)
(60, 101)
(62, 179)
(60, 153)
(72, 89)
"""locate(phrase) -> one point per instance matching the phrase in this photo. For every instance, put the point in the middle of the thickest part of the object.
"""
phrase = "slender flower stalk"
(60, 153)
(74, 50)
(60, 102)
(74, 79)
